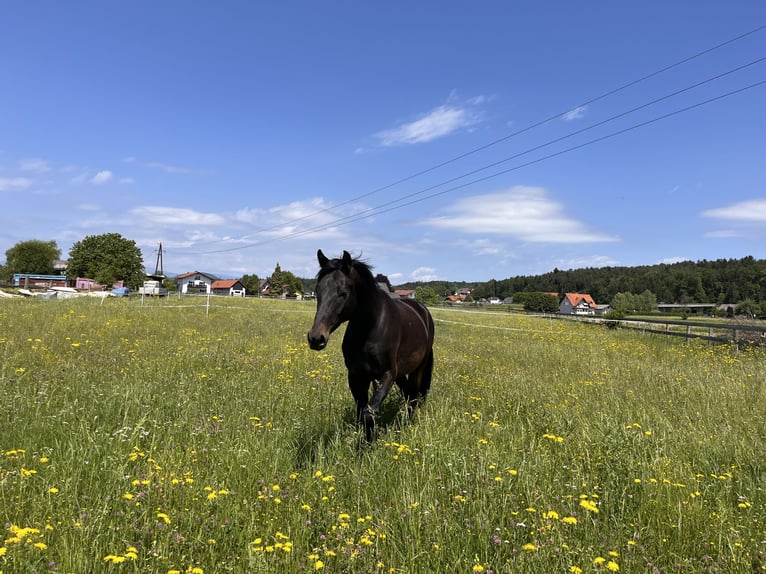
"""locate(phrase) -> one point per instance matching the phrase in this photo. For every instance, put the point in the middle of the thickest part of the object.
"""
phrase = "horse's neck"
(369, 305)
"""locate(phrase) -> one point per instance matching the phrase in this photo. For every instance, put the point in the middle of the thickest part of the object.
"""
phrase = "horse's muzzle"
(317, 341)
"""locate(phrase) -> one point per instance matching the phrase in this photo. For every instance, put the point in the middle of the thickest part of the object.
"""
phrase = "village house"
(577, 304)
(195, 282)
(230, 287)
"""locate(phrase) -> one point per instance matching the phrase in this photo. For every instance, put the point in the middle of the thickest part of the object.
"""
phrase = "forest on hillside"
(719, 281)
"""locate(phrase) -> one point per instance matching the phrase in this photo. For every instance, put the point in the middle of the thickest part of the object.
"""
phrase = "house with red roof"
(577, 304)
(230, 287)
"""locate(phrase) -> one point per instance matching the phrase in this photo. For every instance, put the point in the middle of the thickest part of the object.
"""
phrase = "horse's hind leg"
(418, 384)
(409, 393)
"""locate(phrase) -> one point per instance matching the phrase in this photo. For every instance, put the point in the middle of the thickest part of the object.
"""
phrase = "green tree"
(646, 302)
(749, 308)
(276, 282)
(33, 256)
(107, 258)
(624, 303)
(284, 283)
(541, 303)
(252, 284)
(426, 295)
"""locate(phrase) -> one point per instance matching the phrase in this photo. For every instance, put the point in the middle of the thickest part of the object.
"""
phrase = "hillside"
(721, 281)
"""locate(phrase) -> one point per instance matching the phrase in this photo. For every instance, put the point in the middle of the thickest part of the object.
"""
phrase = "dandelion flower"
(569, 520)
(529, 547)
(164, 517)
(589, 505)
(612, 566)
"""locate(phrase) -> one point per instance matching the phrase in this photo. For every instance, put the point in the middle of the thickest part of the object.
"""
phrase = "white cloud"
(574, 114)
(590, 261)
(14, 183)
(439, 122)
(724, 234)
(752, 210)
(526, 213)
(424, 274)
(34, 164)
(167, 168)
(176, 216)
(89, 207)
(101, 177)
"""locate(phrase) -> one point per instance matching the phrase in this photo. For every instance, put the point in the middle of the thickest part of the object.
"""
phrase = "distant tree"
(252, 284)
(646, 302)
(426, 295)
(33, 256)
(284, 283)
(291, 284)
(107, 258)
(541, 303)
(613, 318)
(624, 303)
(275, 282)
(699, 291)
(749, 308)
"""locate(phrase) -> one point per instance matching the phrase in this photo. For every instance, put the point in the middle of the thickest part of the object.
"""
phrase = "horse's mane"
(362, 268)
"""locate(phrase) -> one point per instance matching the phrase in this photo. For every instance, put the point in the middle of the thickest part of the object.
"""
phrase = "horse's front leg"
(380, 391)
(360, 389)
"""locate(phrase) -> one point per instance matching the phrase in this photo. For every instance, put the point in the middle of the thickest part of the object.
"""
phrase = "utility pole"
(158, 271)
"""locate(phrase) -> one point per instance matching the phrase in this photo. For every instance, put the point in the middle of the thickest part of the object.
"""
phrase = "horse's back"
(425, 317)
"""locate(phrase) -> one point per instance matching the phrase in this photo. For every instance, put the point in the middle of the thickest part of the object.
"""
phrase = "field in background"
(158, 438)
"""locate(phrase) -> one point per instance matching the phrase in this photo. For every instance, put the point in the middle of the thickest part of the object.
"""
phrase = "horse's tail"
(428, 369)
(428, 366)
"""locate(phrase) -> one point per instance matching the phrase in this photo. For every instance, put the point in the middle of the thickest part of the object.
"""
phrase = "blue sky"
(438, 140)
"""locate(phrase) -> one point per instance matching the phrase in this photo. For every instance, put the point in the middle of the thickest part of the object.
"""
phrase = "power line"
(402, 201)
(514, 134)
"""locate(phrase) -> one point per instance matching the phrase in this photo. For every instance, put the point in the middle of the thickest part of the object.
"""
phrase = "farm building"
(27, 280)
(231, 287)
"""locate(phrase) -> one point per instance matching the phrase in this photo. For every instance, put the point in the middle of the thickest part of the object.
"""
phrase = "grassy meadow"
(161, 438)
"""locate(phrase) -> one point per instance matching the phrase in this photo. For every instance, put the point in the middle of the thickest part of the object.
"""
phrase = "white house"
(577, 304)
(231, 287)
(195, 282)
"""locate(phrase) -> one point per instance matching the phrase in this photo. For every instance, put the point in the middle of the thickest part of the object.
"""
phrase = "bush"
(613, 318)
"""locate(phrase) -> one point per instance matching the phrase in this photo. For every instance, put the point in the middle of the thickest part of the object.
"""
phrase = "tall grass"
(159, 438)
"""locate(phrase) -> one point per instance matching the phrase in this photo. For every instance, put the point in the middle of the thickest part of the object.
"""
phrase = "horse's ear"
(346, 261)
(321, 258)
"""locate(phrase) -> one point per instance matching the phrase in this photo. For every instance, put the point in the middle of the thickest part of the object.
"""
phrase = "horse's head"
(336, 297)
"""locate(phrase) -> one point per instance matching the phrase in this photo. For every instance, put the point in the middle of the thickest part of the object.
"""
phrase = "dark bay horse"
(387, 340)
